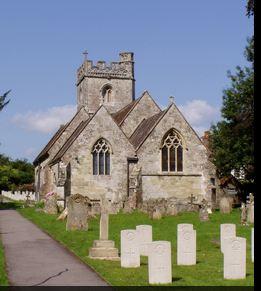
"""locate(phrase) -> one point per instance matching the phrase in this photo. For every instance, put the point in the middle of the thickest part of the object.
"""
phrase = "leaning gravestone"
(159, 262)
(50, 203)
(235, 258)
(225, 205)
(104, 249)
(77, 212)
(144, 236)
(227, 230)
(130, 252)
(186, 244)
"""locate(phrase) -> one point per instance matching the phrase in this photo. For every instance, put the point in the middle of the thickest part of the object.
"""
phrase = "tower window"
(101, 158)
(107, 93)
(172, 152)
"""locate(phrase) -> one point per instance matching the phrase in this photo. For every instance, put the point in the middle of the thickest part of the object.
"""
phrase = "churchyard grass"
(3, 276)
(209, 268)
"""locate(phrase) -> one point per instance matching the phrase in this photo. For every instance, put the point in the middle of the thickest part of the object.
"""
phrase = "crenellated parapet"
(124, 69)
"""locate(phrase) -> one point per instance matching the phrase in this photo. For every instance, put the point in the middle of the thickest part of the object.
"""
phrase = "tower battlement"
(124, 69)
(111, 84)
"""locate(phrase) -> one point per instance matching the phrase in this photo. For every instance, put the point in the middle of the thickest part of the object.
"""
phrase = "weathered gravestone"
(156, 214)
(130, 252)
(50, 203)
(145, 236)
(186, 244)
(77, 212)
(227, 230)
(225, 205)
(235, 258)
(252, 244)
(159, 262)
(243, 214)
(104, 249)
(250, 208)
(203, 212)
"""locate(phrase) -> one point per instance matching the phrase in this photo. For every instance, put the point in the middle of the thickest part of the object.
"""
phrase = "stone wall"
(145, 108)
(195, 175)
(19, 195)
(80, 156)
(167, 186)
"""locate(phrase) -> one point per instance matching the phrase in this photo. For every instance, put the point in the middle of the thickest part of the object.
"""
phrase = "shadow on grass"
(10, 205)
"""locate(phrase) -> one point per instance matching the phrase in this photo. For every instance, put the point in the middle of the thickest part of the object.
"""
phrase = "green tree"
(232, 139)
(15, 173)
(3, 101)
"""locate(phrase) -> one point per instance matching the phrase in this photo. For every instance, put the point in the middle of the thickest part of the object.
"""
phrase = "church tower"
(112, 85)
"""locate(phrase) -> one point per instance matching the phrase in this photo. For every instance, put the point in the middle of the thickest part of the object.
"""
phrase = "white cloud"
(200, 114)
(45, 121)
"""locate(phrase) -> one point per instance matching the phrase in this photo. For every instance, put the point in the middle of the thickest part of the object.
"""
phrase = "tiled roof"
(69, 141)
(122, 114)
(44, 153)
(144, 129)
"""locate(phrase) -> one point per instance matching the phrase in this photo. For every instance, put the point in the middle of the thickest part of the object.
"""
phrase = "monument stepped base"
(104, 250)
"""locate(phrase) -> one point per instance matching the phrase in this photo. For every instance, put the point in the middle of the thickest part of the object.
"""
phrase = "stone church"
(124, 147)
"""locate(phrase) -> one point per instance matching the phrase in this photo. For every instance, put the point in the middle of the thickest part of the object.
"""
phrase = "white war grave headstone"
(227, 230)
(235, 258)
(145, 236)
(130, 252)
(186, 244)
(159, 261)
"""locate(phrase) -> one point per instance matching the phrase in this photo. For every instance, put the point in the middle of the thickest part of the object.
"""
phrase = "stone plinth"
(145, 236)
(104, 250)
(186, 245)
(159, 260)
(130, 252)
(235, 258)
(227, 230)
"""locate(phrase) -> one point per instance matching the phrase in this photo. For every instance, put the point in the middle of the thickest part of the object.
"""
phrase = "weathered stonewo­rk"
(77, 212)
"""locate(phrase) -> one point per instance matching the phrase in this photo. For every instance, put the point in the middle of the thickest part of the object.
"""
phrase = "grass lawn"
(3, 276)
(209, 268)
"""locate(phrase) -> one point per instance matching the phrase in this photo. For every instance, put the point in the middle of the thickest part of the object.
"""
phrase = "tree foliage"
(250, 8)
(232, 139)
(14, 173)
(3, 101)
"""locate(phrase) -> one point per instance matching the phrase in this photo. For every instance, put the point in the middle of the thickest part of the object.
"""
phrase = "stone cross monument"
(104, 249)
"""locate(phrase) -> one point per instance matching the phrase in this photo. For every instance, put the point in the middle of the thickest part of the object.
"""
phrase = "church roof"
(145, 128)
(44, 153)
(69, 141)
(120, 115)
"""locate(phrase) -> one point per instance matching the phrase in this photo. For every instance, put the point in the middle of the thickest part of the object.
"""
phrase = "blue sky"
(182, 48)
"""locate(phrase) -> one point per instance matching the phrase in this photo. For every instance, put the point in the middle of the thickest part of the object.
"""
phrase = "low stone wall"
(19, 195)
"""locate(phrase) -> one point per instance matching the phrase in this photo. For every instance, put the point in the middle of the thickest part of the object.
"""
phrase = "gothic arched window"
(172, 152)
(101, 157)
(107, 93)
